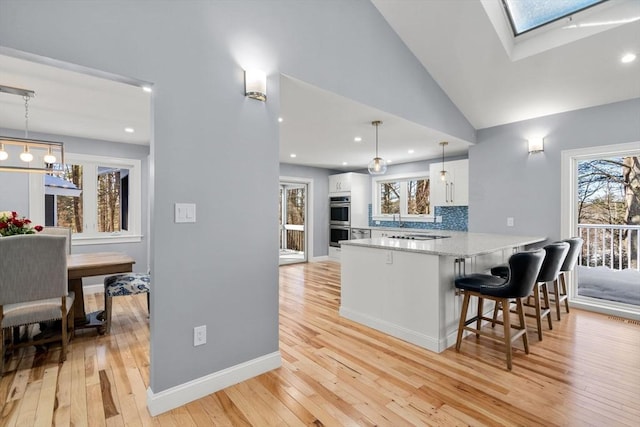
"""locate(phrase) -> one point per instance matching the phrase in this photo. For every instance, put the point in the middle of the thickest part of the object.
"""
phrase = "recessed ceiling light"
(280, 119)
(146, 89)
(293, 155)
(411, 151)
(357, 139)
(389, 161)
(129, 130)
(344, 163)
(628, 57)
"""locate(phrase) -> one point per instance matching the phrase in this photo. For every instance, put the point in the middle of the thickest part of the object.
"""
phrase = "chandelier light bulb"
(49, 157)
(26, 156)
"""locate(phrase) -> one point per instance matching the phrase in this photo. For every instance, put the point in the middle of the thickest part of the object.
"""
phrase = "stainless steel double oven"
(339, 219)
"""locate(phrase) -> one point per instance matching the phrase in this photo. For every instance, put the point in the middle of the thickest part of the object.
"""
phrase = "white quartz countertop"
(458, 244)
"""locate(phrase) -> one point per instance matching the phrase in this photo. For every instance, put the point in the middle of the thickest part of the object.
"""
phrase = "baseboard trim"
(320, 258)
(182, 394)
(414, 337)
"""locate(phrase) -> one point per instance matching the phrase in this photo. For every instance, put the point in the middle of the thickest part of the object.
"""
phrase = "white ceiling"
(465, 45)
(73, 103)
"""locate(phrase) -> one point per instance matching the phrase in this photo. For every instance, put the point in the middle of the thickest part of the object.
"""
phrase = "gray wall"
(320, 179)
(16, 195)
(209, 139)
(505, 181)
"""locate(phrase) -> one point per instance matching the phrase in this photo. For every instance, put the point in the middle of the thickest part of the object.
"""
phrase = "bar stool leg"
(536, 298)
(523, 325)
(479, 316)
(547, 305)
(563, 276)
(556, 296)
(463, 319)
(507, 331)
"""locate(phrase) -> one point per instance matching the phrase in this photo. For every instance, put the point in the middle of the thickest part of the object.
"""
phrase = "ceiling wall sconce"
(24, 148)
(377, 166)
(255, 84)
(536, 145)
(443, 172)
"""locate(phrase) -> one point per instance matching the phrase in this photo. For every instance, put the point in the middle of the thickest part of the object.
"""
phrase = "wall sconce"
(255, 84)
(536, 145)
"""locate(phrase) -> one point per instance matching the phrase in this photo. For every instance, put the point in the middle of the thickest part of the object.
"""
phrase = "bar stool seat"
(524, 267)
(123, 284)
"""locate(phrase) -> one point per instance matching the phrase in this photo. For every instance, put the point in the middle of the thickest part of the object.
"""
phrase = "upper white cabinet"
(454, 191)
(339, 183)
(358, 187)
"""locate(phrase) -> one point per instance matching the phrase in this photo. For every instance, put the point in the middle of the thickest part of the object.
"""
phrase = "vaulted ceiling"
(466, 46)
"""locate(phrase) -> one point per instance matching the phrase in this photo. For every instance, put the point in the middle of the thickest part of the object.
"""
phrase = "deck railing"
(613, 246)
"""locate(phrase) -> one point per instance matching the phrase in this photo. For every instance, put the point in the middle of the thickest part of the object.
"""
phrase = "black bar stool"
(555, 254)
(560, 286)
(524, 268)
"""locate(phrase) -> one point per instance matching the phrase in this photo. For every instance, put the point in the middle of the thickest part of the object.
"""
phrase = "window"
(527, 15)
(404, 195)
(97, 197)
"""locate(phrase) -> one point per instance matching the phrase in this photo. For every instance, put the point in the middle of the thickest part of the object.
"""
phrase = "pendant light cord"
(26, 117)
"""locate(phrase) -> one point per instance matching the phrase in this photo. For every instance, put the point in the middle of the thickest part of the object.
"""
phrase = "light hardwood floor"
(337, 373)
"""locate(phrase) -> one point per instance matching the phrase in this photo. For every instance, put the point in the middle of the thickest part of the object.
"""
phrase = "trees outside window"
(406, 196)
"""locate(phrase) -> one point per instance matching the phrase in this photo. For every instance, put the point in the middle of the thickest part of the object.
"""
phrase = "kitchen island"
(404, 286)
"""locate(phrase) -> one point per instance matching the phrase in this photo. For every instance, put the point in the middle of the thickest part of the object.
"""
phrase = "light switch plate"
(185, 212)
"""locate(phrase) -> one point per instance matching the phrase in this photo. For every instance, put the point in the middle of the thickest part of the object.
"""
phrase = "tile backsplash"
(453, 218)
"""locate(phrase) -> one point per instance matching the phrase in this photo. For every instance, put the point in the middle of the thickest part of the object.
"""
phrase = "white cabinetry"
(358, 187)
(340, 183)
(454, 191)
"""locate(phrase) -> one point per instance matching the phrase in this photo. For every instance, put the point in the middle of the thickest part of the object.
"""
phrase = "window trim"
(133, 235)
(404, 177)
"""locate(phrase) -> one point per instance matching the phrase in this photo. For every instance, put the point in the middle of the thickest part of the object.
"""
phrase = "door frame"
(308, 235)
(569, 217)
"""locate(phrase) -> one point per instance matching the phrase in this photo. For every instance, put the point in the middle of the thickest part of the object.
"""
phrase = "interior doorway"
(601, 203)
(293, 210)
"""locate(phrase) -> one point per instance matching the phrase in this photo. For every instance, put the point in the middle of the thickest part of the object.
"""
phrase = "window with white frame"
(402, 196)
(97, 197)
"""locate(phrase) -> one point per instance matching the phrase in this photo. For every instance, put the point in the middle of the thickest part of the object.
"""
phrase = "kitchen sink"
(420, 237)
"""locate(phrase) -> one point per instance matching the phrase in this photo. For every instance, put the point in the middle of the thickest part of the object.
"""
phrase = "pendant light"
(377, 166)
(443, 172)
(49, 151)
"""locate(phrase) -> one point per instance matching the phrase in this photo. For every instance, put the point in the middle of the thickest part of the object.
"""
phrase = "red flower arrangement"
(11, 224)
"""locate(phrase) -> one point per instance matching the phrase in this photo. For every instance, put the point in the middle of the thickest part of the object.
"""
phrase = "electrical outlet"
(377, 222)
(510, 221)
(389, 257)
(199, 335)
(438, 218)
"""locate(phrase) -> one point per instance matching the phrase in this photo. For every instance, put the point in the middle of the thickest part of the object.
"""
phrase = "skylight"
(527, 15)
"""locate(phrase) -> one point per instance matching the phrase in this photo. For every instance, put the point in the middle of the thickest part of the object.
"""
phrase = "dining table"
(89, 265)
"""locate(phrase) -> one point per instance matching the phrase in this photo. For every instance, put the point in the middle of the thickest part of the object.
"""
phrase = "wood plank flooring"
(335, 372)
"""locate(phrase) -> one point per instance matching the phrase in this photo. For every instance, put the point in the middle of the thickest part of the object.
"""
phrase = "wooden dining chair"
(33, 289)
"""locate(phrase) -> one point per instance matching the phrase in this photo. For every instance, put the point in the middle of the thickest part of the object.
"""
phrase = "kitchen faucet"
(400, 224)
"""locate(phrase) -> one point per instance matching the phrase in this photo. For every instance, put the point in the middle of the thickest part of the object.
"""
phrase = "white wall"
(209, 140)
(505, 181)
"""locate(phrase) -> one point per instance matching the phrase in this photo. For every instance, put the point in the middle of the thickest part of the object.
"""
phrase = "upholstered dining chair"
(123, 284)
(59, 231)
(33, 289)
